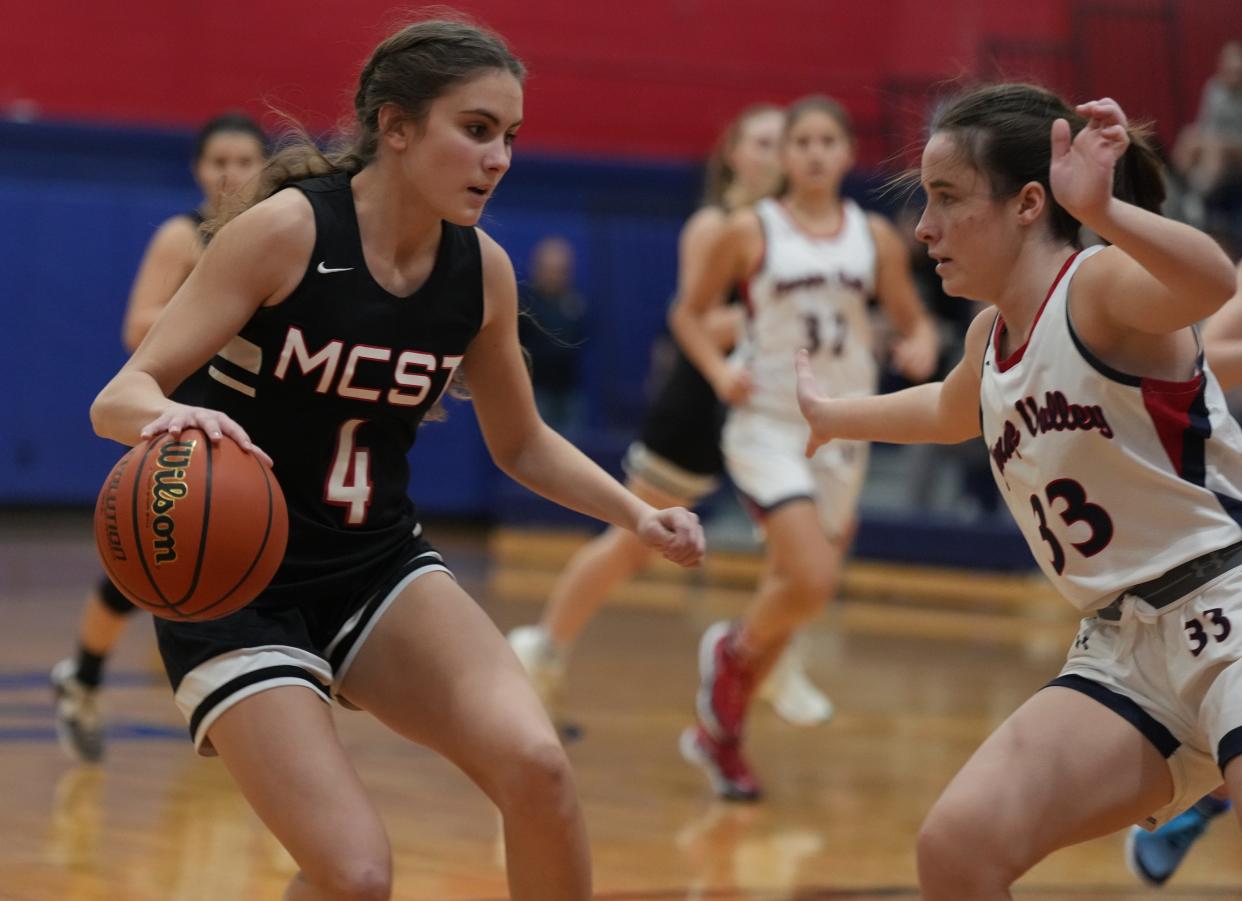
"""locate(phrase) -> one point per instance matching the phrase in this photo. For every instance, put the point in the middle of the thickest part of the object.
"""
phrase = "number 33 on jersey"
(1114, 479)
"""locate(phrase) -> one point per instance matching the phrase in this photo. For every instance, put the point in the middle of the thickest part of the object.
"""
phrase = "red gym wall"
(651, 78)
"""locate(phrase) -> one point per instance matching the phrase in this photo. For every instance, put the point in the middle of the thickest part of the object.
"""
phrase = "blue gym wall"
(78, 204)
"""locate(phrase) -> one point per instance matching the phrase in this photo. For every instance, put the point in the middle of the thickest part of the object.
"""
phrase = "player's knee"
(957, 857)
(356, 878)
(943, 863)
(810, 587)
(541, 777)
(112, 598)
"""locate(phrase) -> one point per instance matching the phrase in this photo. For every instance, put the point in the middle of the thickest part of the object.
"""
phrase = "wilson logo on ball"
(191, 529)
(167, 487)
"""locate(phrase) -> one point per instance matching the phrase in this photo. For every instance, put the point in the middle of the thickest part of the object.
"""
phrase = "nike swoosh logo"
(324, 270)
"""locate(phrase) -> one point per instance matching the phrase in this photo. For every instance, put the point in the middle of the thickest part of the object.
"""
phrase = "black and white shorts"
(213, 665)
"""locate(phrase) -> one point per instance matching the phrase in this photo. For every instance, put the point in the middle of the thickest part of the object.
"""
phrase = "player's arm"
(714, 254)
(915, 355)
(534, 455)
(1222, 338)
(1160, 276)
(256, 259)
(935, 413)
(168, 259)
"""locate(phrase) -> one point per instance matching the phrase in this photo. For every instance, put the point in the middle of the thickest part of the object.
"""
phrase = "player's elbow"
(101, 412)
(1221, 284)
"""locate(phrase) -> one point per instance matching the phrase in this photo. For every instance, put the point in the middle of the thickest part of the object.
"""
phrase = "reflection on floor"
(155, 823)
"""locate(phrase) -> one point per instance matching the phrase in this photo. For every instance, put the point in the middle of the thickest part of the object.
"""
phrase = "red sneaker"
(725, 685)
(726, 768)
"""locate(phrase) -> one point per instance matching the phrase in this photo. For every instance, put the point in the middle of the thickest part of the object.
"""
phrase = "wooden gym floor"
(921, 666)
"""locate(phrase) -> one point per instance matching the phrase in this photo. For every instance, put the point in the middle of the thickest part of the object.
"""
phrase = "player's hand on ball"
(812, 403)
(213, 424)
(676, 533)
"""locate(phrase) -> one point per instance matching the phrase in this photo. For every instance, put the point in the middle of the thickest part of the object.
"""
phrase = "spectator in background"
(1208, 153)
(551, 331)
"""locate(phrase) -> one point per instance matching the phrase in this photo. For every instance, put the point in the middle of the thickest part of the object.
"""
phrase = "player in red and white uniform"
(807, 260)
(1111, 443)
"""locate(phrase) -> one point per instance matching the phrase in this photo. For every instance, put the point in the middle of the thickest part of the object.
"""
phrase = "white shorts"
(766, 459)
(1176, 675)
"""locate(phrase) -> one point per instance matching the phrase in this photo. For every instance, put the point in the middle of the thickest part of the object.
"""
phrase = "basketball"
(190, 529)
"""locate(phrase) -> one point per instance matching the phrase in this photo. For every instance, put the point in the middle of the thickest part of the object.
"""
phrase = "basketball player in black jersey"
(352, 294)
(228, 154)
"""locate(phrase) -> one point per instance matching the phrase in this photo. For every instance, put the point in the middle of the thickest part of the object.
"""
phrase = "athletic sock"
(1211, 806)
(89, 667)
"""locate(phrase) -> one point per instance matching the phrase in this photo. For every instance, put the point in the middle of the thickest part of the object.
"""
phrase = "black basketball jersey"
(333, 382)
(685, 420)
(193, 391)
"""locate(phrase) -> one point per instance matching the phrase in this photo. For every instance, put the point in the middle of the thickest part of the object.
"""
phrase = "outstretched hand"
(676, 533)
(1081, 171)
(812, 403)
(214, 424)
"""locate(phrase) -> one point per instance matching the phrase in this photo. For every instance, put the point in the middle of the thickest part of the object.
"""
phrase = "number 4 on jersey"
(349, 479)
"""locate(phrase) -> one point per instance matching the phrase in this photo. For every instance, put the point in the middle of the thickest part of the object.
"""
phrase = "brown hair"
(814, 103)
(410, 69)
(1003, 130)
(719, 177)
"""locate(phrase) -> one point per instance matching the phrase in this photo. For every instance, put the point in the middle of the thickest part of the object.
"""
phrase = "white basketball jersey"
(809, 293)
(1114, 479)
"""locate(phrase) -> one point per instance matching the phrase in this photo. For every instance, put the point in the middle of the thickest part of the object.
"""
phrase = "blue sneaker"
(1155, 856)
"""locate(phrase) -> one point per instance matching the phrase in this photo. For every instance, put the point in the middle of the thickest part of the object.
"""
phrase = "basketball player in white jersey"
(1155, 856)
(807, 262)
(676, 459)
(1111, 443)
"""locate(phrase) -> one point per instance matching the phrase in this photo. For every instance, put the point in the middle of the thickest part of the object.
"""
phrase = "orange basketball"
(188, 529)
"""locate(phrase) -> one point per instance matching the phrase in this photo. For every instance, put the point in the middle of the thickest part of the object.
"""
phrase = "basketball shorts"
(688, 486)
(765, 457)
(215, 664)
(1176, 675)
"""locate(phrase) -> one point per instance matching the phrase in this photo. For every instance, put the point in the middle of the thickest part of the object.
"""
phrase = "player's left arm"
(1222, 339)
(1160, 276)
(534, 455)
(915, 354)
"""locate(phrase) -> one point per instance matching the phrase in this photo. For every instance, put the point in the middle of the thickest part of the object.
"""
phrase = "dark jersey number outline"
(1077, 509)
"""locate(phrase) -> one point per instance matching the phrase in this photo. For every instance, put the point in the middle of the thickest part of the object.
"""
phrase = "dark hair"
(719, 175)
(814, 103)
(1003, 130)
(228, 123)
(409, 68)
(819, 103)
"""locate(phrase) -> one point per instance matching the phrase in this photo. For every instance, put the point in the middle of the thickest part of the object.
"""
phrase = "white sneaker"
(78, 725)
(542, 662)
(792, 694)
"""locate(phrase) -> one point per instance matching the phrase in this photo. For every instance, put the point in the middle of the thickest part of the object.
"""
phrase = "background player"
(228, 154)
(1087, 388)
(355, 295)
(807, 262)
(676, 460)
